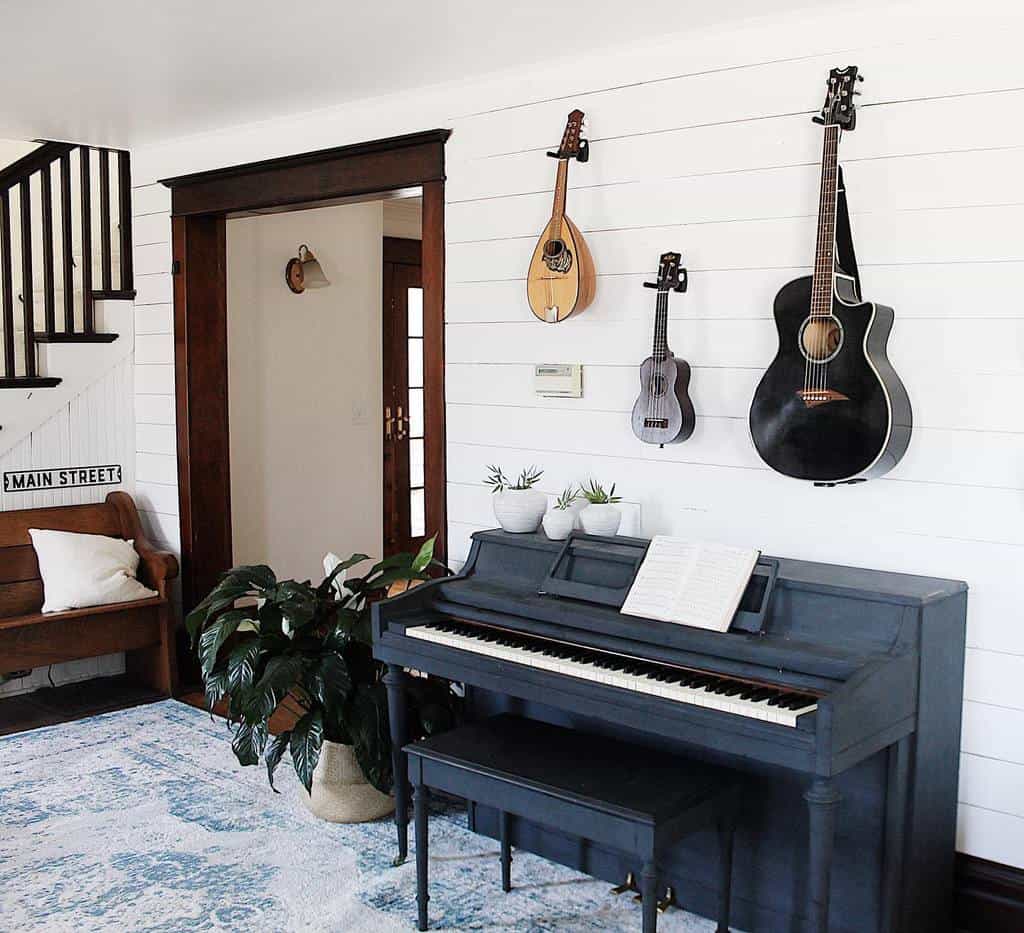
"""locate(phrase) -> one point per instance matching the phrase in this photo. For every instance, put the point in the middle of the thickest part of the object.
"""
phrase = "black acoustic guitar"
(831, 408)
(663, 413)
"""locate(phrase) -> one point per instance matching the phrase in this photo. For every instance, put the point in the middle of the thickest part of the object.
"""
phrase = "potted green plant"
(602, 516)
(560, 520)
(309, 648)
(518, 507)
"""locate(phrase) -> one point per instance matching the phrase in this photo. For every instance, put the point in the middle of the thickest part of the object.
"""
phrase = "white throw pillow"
(86, 570)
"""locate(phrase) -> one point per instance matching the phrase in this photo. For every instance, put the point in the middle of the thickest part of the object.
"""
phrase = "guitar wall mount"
(582, 155)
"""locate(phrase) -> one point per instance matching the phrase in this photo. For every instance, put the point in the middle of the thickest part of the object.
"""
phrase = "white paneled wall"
(96, 427)
(703, 144)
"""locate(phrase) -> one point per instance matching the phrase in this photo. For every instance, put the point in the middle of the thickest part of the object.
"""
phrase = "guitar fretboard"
(824, 257)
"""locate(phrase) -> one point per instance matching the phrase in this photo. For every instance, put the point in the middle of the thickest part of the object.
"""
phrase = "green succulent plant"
(499, 482)
(595, 494)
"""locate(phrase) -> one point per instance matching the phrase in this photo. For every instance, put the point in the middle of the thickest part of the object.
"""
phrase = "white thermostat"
(560, 380)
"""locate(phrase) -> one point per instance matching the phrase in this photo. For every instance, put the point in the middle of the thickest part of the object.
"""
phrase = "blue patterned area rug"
(142, 820)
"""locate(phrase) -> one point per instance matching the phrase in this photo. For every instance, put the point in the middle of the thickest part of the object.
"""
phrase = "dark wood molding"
(364, 168)
(201, 379)
(200, 206)
(433, 360)
(402, 250)
(33, 162)
(989, 896)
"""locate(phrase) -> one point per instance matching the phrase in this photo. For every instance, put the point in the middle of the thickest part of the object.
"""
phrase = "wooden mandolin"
(663, 413)
(561, 278)
(830, 407)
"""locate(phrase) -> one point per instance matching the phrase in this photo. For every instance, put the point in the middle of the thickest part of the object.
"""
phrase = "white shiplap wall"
(95, 427)
(703, 143)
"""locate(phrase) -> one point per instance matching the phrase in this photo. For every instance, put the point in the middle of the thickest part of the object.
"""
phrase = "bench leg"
(726, 835)
(156, 666)
(420, 799)
(822, 800)
(506, 853)
(395, 680)
(649, 895)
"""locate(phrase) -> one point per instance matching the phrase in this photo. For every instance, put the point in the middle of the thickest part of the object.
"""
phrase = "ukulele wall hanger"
(582, 153)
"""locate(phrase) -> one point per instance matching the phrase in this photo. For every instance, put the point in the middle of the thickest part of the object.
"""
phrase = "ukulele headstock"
(573, 146)
(839, 109)
(671, 275)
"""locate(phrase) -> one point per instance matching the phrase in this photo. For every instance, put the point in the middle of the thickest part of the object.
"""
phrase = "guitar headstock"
(839, 109)
(671, 275)
(573, 146)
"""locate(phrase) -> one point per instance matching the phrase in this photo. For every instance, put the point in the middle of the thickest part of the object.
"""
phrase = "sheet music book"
(691, 582)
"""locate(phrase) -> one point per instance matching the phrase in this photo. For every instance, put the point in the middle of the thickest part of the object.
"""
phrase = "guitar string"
(652, 397)
(829, 241)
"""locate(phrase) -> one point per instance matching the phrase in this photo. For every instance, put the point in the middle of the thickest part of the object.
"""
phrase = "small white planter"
(559, 523)
(601, 519)
(519, 510)
(340, 793)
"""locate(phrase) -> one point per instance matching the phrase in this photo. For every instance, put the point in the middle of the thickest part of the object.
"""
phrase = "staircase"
(65, 244)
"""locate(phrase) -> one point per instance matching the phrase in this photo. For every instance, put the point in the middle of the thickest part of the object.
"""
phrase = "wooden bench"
(615, 794)
(143, 629)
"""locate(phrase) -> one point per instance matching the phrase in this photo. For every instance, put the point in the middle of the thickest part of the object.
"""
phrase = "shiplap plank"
(156, 439)
(991, 835)
(154, 409)
(153, 288)
(151, 228)
(154, 379)
(902, 129)
(975, 234)
(993, 732)
(979, 402)
(151, 199)
(898, 184)
(154, 319)
(156, 468)
(157, 497)
(746, 93)
(154, 349)
(994, 678)
(992, 784)
(154, 257)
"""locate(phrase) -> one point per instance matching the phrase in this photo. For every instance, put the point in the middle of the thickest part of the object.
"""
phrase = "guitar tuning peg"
(860, 77)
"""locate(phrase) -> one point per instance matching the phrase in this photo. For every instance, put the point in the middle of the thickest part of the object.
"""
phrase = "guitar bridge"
(815, 397)
(655, 422)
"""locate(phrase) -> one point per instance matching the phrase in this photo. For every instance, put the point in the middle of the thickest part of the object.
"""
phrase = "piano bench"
(613, 793)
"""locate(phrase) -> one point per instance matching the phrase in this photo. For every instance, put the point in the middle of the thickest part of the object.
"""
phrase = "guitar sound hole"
(821, 338)
(657, 386)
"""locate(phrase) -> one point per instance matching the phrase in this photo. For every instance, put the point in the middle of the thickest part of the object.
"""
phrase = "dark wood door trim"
(365, 168)
(200, 205)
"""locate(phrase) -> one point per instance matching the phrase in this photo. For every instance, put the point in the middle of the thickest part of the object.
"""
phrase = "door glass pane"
(417, 514)
(416, 462)
(415, 362)
(415, 413)
(415, 299)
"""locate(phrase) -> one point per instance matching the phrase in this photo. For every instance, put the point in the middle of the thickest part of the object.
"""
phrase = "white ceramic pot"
(519, 510)
(559, 523)
(578, 506)
(601, 519)
(340, 793)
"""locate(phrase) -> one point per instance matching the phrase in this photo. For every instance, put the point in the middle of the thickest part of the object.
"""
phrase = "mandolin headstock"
(671, 275)
(573, 146)
(839, 109)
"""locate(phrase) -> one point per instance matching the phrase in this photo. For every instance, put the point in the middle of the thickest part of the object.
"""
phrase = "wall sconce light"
(304, 271)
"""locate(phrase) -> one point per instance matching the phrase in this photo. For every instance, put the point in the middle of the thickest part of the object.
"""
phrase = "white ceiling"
(126, 73)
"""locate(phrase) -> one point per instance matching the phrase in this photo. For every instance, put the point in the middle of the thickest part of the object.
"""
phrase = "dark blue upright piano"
(842, 707)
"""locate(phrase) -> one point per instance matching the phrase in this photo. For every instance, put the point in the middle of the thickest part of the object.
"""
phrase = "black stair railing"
(48, 163)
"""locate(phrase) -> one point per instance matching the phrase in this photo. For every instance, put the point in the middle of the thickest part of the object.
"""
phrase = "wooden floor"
(283, 720)
(53, 705)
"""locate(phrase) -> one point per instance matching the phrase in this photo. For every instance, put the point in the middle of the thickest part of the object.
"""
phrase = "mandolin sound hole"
(821, 338)
(553, 249)
(556, 257)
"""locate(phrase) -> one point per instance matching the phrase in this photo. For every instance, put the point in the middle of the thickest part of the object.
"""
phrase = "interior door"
(408, 490)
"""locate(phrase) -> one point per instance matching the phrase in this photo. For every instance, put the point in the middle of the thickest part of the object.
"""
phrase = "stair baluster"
(7, 284)
(27, 280)
(85, 189)
(46, 206)
(67, 243)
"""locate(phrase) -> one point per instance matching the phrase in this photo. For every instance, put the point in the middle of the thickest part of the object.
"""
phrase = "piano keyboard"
(683, 685)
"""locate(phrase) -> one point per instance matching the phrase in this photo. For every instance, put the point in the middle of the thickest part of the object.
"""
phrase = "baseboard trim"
(989, 896)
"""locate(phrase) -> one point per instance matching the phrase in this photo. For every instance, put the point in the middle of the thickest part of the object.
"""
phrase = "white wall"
(304, 397)
(703, 143)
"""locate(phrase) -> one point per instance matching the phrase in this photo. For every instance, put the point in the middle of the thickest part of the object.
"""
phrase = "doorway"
(201, 205)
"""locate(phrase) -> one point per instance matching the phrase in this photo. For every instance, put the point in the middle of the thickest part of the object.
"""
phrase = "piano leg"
(420, 804)
(726, 836)
(822, 799)
(396, 680)
(649, 896)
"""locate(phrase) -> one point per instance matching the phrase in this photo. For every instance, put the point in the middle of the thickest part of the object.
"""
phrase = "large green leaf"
(426, 554)
(276, 748)
(242, 665)
(216, 686)
(248, 742)
(278, 678)
(216, 602)
(215, 634)
(305, 744)
(324, 588)
(329, 682)
(368, 724)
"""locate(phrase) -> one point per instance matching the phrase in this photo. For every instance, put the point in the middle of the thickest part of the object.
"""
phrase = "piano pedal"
(628, 885)
(668, 901)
